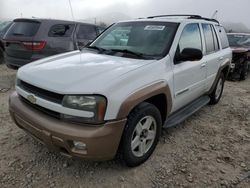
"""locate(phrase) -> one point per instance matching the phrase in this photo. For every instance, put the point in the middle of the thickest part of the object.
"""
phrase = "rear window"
(61, 30)
(87, 32)
(26, 29)
(223, 37)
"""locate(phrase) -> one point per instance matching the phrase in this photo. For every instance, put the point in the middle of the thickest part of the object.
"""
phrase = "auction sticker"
(154, 27)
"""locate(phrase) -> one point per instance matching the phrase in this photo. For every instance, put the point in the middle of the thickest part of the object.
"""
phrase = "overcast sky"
(229, 10)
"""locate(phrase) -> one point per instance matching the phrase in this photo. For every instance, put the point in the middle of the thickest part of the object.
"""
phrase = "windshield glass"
(238, 40)
(137, 39)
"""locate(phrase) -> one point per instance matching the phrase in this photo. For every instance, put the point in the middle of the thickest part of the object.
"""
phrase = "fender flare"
(223, 67)
(143, 94)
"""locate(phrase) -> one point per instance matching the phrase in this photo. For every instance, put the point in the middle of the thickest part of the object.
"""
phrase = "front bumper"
(101, 141)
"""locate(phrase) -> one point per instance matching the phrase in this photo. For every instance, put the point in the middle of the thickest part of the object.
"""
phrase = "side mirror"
(189, 54)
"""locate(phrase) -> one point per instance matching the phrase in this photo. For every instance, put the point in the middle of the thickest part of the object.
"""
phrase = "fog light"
(79, 145)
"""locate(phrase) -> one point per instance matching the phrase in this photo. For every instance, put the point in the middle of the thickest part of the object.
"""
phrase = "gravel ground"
(210, 149)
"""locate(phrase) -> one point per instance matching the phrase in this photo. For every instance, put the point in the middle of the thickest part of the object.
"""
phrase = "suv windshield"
(237, 40)
(147, 40)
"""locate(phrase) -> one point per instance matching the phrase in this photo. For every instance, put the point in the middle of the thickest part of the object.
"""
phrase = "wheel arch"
(225, 68)
(158, 94)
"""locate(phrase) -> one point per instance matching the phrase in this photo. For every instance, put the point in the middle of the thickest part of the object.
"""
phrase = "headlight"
(96, 104)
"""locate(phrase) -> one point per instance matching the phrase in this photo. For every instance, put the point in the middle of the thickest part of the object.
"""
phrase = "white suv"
(118, 93)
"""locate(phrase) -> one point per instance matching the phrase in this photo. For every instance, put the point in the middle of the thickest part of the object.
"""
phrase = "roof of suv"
(178, 18)
(49, 20)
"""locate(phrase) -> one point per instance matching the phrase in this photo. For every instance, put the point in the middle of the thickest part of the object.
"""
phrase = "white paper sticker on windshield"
(155, 27)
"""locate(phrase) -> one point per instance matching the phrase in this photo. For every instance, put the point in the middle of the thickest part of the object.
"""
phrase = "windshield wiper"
(101, 50)
(18, 34)
(139, 55)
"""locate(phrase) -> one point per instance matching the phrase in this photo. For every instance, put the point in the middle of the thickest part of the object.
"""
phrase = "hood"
(240, 49)
(78, 72)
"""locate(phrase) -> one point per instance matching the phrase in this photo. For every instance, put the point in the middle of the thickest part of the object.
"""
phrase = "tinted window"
(209, 39)
(190, 38)
(61, 30)
(223, 37)
(86, 32)
(26, 29)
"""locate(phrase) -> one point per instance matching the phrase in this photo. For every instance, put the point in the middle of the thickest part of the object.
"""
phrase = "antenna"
(71, 10)
(215, 14)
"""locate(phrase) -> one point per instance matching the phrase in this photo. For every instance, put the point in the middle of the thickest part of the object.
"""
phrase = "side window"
(216, 40)
(61, 30)
(87, 32)
(209, 38)
(223, 37)
(190, 38)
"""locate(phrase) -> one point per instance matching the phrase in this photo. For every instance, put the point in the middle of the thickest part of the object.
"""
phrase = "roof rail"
(189, 16)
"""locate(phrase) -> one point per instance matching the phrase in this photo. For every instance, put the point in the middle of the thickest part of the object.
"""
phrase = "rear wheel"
(1, 56)
(244, 71)
(11, 67)
(218, 90)
(141, 134)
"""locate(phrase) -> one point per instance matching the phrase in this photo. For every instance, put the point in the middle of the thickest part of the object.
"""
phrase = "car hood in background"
(240, 49)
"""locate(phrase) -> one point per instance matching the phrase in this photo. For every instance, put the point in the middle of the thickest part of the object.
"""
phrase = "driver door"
(189, 76)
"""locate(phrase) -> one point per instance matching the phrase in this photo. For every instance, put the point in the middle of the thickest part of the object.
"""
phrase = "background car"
(28, 40)
(4, 26)
(240, 44)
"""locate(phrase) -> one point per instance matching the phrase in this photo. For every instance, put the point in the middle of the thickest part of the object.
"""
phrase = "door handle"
(220, 58)
(203, 65)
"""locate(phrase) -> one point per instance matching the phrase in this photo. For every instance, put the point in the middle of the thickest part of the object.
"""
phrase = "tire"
(215, 96)
(137, 133)
(12, 67)
(1, 56)
(244, 71)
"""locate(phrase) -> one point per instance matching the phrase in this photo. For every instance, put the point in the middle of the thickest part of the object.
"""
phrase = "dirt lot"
(210, 149)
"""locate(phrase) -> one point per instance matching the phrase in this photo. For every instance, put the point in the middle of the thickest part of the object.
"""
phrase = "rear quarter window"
(26, 29)
(223, 37)
(61, 30)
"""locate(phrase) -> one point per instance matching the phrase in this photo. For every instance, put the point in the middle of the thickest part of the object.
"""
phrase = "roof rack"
(189, 16)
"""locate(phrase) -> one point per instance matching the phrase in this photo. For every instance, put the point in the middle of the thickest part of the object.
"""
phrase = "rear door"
(212, 55)
(85, 34)
(189, 76)
(19, 38)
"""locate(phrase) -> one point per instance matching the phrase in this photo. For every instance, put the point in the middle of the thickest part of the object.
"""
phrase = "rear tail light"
(34, 45)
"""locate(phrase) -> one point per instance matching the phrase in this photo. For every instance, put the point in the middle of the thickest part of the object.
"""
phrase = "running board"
(185, 112)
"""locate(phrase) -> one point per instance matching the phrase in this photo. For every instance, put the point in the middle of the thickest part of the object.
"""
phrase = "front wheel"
(141, 134)
(218, 90)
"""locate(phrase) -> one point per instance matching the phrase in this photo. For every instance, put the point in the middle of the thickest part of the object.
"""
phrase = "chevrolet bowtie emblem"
(31, 98)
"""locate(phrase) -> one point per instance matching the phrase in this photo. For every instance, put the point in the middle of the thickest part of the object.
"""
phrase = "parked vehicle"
(116, 95)
(4, 26)
(31, 39)
(240, 44)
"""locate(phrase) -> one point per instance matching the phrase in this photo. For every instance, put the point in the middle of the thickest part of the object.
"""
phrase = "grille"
(41, 109)
(42, 93)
